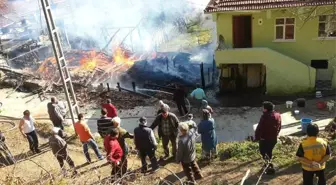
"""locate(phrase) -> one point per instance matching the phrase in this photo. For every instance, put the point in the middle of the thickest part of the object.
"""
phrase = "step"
(323, 85)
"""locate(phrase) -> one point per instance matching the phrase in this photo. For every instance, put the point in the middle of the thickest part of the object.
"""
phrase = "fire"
(122, 57)
(49, 62)
(89, 62)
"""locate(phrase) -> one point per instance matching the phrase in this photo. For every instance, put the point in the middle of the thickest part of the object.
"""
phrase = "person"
(59, 149)
(27, 129)
(267, 131)
(146, 144)
(186, 154)
(122, 136)
(208, 136)
(113, 150)
(198, 95)
(111, 110)
(161, 105)
(104, 124)
(55, 113)
(6, 158)
(63, 108)
(206, 106)
(168, 130)
(331, 127)
(86, 138)
(313, 153)
(191, 123)
(179, 98)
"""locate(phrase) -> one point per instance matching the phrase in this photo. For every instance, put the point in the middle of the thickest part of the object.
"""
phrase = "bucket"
(318, 94)
(321, 105)
(301, 102)
(304, 123)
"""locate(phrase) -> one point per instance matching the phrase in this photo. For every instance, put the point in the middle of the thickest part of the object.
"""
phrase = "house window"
(284, 28)
(327, 26)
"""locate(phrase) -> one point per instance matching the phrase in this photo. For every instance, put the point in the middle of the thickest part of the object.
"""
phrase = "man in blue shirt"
(198, 95)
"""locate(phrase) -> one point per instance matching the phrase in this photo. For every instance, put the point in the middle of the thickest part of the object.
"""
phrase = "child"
(191, 123)
(114, 152)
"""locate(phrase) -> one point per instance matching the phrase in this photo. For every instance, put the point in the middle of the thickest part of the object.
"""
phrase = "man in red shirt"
(114, 152)
(268, 130)
(111, 110)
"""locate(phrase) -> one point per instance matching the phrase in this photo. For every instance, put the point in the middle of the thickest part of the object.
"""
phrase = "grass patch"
(283, 155)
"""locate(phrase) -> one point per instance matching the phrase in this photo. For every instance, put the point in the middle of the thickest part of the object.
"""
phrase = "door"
(253, 76)
(242, 31)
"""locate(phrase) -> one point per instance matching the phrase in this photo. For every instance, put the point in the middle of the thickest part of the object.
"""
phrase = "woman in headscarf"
(206, 106)
(123, 134)
(208, 136)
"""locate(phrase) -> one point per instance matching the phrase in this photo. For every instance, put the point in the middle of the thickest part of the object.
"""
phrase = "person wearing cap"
(122, 136)
(186, 154)
(208, 136)
(161, 105)
(267, 131)
(313, 153)
(191, 123)
(146, 144)
(59, 149)
(87, 139)
(168, 130)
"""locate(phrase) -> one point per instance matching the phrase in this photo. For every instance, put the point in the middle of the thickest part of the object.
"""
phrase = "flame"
(89, 63)
(122, 57)
(95, 64)
(49, 62)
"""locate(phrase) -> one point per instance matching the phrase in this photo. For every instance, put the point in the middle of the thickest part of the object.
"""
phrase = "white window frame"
(326, 22)
(284, 29)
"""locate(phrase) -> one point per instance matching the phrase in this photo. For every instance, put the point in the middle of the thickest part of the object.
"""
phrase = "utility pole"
(60, 58)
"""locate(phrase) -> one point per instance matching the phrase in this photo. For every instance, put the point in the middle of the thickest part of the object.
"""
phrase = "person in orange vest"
(313, 153)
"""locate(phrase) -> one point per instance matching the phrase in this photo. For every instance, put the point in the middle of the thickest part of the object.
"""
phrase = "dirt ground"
(36, 169)
(232, 123)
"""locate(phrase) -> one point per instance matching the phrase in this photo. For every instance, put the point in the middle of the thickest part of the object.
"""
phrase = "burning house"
(122, 56)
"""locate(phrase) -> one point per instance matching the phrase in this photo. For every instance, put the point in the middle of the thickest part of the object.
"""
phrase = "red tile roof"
(235, 5)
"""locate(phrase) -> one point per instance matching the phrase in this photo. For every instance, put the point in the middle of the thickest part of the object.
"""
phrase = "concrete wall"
(306, 46)
(284, 75)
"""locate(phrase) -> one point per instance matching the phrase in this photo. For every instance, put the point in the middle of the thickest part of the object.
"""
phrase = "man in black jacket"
(146, 144)
(168, 130)
(179, 98)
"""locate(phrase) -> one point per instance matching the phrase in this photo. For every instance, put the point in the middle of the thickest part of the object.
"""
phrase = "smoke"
(140, 25)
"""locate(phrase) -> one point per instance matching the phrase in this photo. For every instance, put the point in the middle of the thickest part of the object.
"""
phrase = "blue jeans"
(94, 146)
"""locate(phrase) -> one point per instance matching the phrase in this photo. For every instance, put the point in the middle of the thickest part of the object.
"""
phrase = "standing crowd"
(313, 152)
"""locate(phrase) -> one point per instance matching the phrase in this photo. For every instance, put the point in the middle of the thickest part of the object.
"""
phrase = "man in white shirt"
(27, 129)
